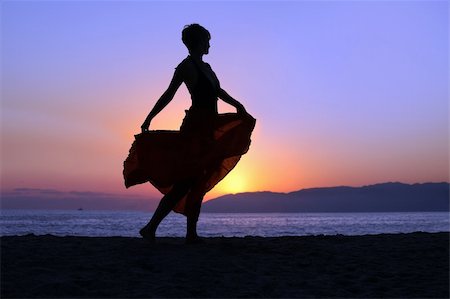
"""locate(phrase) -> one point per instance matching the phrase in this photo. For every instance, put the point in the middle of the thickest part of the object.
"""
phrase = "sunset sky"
(344, 92)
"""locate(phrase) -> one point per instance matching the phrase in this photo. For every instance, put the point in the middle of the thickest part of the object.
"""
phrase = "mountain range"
(386, 197)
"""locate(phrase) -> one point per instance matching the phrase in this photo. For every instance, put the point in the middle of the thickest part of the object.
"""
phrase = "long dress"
(205, 149)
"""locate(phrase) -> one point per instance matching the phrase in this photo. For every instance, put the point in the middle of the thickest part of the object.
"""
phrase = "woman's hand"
(241, 110)
(145, 126)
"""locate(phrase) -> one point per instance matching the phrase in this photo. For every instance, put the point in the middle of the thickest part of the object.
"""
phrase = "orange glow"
(329, 111)
(235, 182)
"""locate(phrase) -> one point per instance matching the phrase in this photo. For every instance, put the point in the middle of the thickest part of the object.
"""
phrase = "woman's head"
(196, 38)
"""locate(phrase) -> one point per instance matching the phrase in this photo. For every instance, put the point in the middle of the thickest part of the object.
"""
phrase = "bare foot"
(147, 234)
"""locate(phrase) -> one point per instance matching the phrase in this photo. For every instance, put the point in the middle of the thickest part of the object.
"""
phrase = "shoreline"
(170, 239)
(381, 265)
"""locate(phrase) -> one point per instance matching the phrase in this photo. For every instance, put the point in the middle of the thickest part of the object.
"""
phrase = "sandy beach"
(398, 265)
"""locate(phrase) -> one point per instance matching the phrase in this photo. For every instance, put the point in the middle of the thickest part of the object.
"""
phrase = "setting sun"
(234, 182)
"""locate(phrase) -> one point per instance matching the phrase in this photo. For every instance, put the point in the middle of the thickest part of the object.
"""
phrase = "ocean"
(128, 223)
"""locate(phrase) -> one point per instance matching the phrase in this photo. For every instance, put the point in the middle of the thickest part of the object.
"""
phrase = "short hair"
(193, 34)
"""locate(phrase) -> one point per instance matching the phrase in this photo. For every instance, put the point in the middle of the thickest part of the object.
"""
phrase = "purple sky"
(345, 92)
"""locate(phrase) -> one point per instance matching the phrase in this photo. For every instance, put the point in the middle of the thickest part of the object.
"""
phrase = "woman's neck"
(196, 56)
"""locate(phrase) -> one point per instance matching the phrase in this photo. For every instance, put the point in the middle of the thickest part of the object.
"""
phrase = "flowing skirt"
(205, 149)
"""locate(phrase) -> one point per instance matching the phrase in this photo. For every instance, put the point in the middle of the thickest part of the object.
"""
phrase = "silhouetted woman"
(186, 164)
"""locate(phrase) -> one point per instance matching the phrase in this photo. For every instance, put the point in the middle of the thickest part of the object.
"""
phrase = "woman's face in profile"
(204, 46)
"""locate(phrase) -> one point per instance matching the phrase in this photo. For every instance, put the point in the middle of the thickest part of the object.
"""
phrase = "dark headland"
(412, 265)
(386, 197)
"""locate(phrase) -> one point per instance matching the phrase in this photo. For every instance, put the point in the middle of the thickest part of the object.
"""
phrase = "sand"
(397, 265)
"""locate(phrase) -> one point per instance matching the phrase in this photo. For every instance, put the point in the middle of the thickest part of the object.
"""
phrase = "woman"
(186, 164)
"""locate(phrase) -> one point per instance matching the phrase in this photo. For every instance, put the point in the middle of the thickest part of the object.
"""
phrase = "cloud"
(89, 193)
(34, 190)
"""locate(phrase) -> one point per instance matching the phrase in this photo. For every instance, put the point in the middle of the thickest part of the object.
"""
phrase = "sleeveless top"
(204, 94)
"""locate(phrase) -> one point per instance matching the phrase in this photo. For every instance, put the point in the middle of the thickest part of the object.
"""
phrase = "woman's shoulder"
(186, 64)
(186, 69)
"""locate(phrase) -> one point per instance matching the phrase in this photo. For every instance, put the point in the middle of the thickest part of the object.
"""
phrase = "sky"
(344, 92)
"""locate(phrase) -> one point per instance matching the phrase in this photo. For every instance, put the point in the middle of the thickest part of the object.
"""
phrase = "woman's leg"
(191, 232)
(194, 212)
(166, 204)
(198, 192)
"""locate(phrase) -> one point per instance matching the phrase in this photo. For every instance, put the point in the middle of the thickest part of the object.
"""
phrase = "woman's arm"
(165, 99)
(228, 99)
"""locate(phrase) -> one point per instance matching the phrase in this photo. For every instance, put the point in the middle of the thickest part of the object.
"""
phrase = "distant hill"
(387, 197)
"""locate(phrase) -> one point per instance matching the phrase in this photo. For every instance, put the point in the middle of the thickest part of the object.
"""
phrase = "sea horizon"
(202, 213)
(127, 223)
